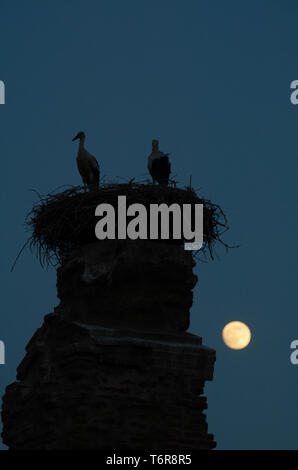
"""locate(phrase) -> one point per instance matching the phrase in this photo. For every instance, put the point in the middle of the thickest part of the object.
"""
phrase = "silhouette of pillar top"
(128, 284)
(113, 366)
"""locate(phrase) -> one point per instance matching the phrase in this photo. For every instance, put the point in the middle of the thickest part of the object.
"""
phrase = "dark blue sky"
(211, 81)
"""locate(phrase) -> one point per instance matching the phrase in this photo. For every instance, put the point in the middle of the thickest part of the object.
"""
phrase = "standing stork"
(87, 164)
(158, 165)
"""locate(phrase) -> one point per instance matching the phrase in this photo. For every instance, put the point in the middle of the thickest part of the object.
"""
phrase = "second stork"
(158, 165)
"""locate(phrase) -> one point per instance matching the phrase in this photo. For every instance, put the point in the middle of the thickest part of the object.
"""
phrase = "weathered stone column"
(113, 366)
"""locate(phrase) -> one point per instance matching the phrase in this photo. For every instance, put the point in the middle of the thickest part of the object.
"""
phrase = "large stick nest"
(60, 222)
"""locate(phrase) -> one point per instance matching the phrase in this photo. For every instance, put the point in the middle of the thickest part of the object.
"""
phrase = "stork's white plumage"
(158, 165)
(87, 164)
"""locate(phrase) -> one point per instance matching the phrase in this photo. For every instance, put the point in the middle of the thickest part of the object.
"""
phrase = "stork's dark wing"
(161, 169)
(83, 170)
(95, 171)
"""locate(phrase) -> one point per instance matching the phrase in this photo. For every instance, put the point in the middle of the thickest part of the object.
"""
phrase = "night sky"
(211, 81)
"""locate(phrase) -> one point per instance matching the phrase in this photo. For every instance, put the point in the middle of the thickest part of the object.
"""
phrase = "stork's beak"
(75, 138)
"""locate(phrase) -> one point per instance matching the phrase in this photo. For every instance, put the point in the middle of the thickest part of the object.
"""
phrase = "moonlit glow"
(236, 335)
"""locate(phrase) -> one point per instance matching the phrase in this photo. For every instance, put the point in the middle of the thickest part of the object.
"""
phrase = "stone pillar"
(113, 366)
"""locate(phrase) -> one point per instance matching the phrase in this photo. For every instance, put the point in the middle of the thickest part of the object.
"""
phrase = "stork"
(87, 164)
(158, 165)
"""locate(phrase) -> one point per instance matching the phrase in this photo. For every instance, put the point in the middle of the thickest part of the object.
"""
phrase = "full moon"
(236, 335)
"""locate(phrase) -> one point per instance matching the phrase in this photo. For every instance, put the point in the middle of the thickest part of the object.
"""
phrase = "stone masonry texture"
(113, 366)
